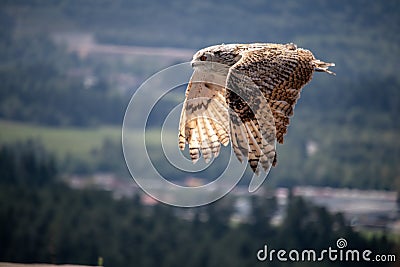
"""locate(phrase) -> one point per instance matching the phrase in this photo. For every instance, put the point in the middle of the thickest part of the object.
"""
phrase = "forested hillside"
(360, 38)
(44, 221)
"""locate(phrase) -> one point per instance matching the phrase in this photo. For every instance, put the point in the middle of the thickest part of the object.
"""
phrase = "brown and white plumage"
(245, 93)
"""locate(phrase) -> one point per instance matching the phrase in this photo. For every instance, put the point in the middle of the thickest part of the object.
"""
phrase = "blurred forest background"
(68, 69)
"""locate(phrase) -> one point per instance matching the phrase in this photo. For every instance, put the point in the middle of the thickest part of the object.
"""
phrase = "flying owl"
(244, 94)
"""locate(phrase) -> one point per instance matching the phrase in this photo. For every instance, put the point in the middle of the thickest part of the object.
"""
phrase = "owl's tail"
(323, 66)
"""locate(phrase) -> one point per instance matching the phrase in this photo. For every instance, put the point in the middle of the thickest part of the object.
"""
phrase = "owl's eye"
(203, 58)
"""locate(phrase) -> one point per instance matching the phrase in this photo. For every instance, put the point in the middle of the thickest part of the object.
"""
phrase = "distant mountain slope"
(358, 35)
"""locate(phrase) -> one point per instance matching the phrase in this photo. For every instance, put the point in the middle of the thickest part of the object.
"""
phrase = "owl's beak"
(198, 63)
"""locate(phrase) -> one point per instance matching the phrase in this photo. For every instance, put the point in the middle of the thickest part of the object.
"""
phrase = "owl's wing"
(263, 87)
(204, 122)
(281, 71)
(252, 125)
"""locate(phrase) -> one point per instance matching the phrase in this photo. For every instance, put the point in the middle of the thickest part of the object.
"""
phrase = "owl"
(244, 94)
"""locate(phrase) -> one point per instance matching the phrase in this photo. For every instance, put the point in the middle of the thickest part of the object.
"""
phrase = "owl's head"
(224, 55)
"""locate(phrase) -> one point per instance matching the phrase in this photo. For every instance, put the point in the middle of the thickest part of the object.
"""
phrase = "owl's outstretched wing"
(263, 88)
(252, 124)
(204, 122)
